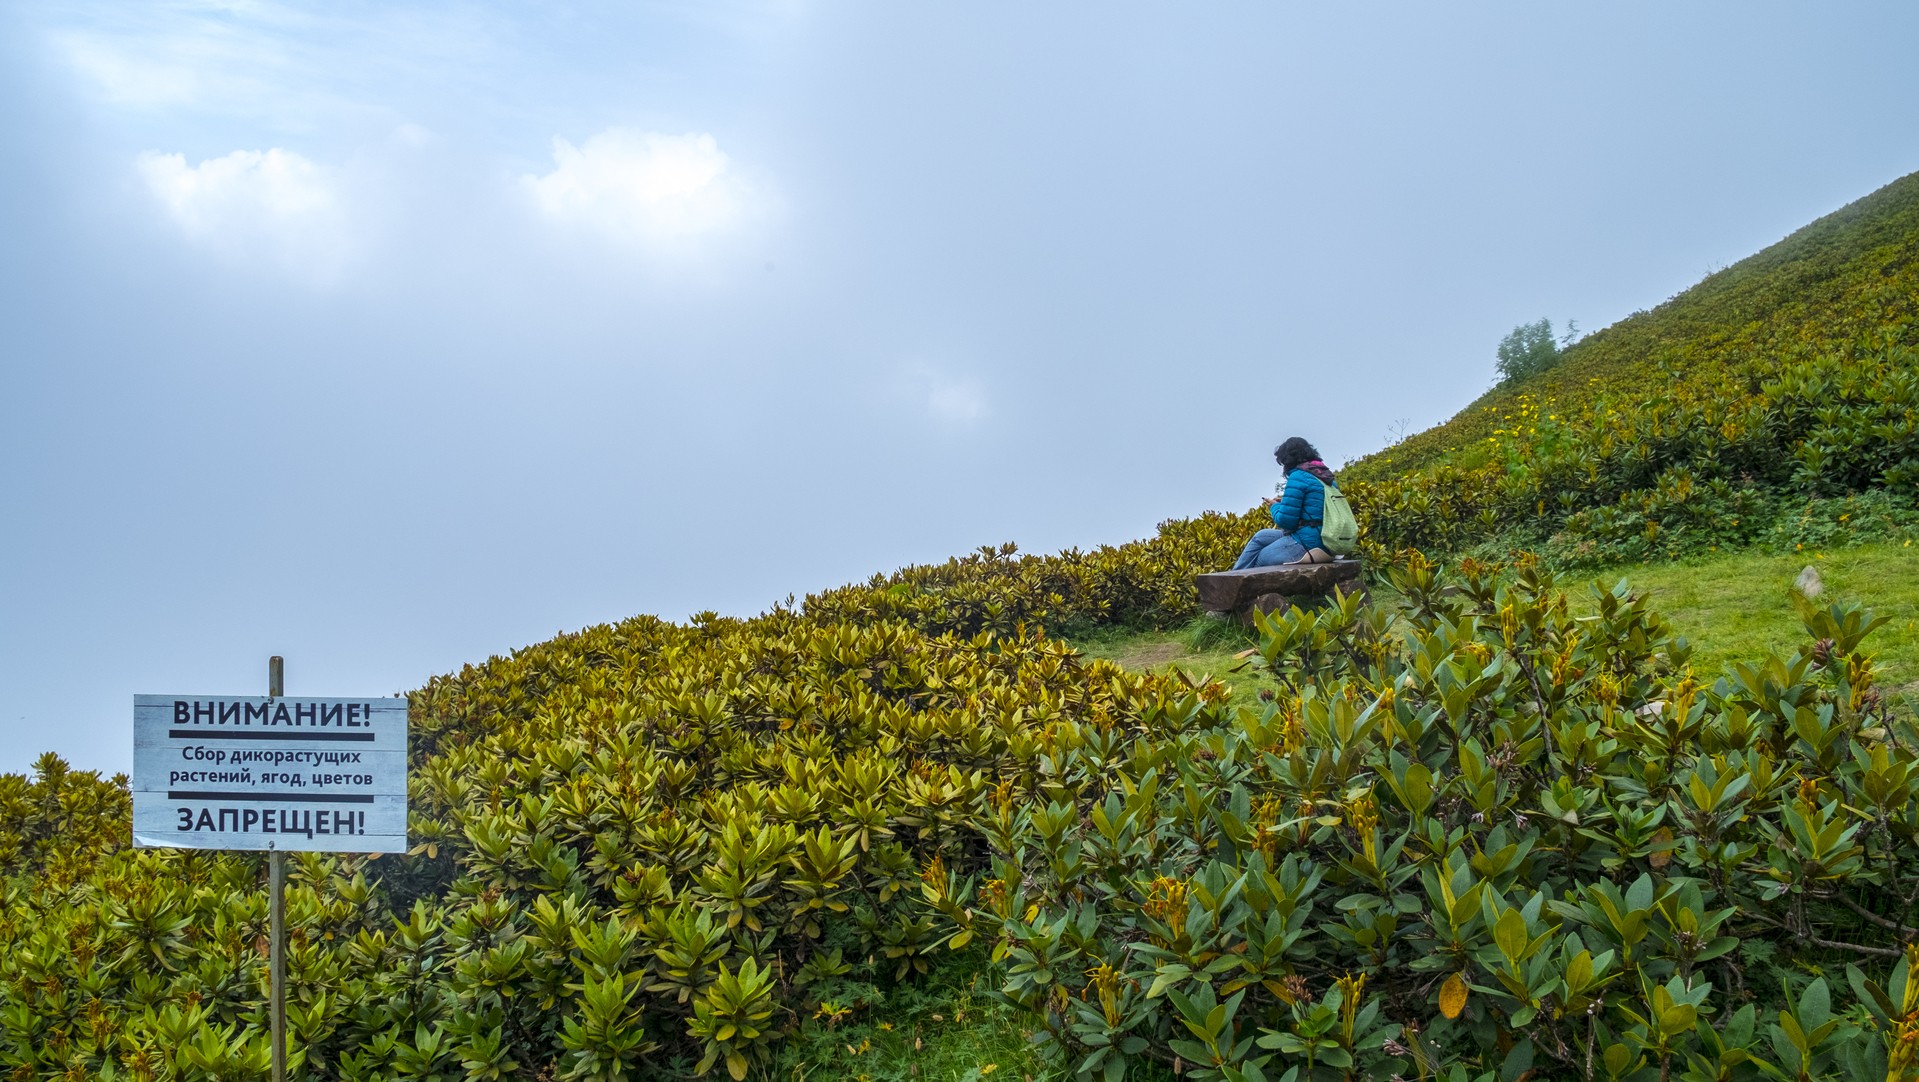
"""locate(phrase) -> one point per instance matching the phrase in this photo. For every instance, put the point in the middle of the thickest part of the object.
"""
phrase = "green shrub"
(1849, 278)
(1699, 466)
(1487, 836)
(637, 850)
(648, 849)
(1820, 523)
(1793, 373)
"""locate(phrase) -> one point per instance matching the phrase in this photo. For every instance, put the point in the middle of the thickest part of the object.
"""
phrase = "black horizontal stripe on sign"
(255, 734)
(310, 798)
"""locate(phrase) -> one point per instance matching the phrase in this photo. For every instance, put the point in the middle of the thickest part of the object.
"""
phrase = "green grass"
(946, 1028)
(1207, 648)
(1731, 607)
(1740, 607)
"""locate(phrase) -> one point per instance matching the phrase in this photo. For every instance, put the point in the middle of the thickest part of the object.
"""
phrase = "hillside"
(1758, 407)
(1848, 279)
(1495, 823)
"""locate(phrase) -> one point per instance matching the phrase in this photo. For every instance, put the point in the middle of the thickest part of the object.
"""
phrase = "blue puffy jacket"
(1301, 508)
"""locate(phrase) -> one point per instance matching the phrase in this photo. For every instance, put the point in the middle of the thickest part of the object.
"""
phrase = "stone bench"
(1274, 589)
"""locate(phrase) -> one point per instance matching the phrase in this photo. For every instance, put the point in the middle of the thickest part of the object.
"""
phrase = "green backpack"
(1338, 529)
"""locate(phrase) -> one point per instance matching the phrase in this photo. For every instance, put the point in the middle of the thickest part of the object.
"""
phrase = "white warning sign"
(261, 772)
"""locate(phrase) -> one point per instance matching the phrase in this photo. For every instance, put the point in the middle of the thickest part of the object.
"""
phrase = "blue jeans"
(1268, 548)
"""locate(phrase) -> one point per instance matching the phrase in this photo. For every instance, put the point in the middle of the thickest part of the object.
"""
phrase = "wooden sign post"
(275, 774)
(277, 911)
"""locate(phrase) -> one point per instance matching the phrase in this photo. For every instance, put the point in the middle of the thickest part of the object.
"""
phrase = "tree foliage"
(1527, 351)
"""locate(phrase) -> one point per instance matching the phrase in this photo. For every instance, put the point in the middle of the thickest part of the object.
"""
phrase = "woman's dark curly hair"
(1294, 453)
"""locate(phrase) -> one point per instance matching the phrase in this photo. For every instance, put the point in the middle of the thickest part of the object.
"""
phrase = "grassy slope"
(1739, 607)
(1205, 650)
(1844, 275)
(1732, 608)
(947, 1030)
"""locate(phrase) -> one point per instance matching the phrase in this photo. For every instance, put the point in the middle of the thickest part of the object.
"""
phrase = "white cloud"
(956, 401)
(644, 185)
(252, 204)
(295, 66)
(129, 79)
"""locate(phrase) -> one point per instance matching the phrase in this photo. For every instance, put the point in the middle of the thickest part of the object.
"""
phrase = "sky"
(390, 337)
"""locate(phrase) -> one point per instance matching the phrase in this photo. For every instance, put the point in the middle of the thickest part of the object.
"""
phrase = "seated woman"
(1297, 512)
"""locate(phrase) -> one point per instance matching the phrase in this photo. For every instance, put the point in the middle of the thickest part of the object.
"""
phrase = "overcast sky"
(389, 337)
